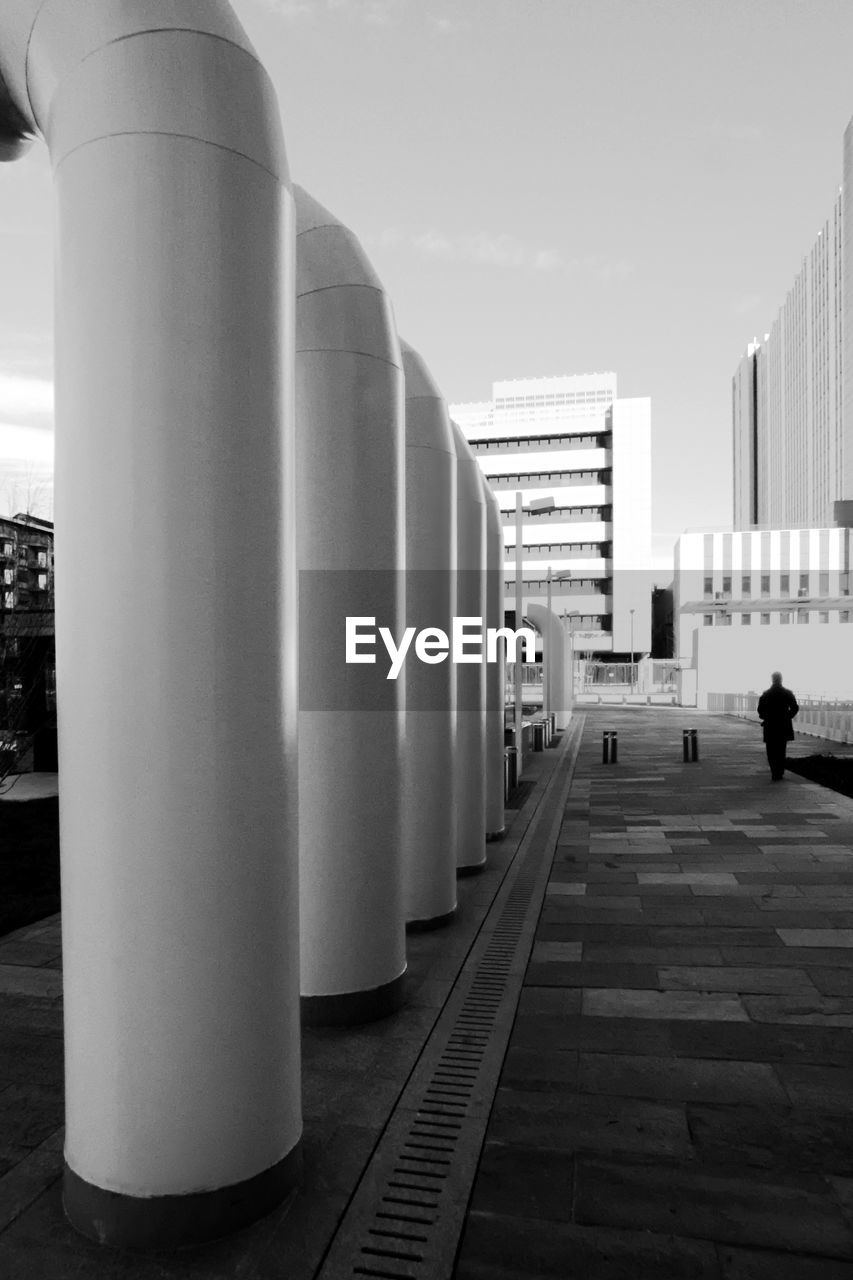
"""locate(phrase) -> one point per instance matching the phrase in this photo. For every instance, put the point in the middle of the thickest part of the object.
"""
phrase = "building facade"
(27, 648)
(792, 436)
(572, 440)
(766, 578)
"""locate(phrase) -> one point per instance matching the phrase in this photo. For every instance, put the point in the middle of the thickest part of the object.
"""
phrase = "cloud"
(477, 248)
(445, 26)
(500, 249)
(375, 13)
(738, 131)
(25, 444)
(745, 303)
(291, 8)
(26, 400)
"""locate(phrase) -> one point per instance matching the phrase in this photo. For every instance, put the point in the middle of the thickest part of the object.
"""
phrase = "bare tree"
(28, 494)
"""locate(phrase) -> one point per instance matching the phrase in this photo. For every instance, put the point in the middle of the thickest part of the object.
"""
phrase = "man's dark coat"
(777, 707)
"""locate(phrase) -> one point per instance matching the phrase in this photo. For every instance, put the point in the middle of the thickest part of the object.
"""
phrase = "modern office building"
(754, 601)
(761, 578)
(572, 440)
(792, 392)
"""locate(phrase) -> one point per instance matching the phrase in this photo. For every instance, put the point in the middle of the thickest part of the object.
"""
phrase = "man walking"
(777, 707)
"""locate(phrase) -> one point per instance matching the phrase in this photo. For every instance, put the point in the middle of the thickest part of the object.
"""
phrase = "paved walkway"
(677, 1096)
(677, 1099)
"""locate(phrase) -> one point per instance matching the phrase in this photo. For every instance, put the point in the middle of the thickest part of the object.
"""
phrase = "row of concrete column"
(215, 437)
(392, 801)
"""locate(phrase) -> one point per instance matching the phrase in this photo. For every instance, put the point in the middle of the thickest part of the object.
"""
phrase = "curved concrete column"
(495, 671)
(175, 620)
(350, 548)
(429, 817)
(556, 647)
(470, 676)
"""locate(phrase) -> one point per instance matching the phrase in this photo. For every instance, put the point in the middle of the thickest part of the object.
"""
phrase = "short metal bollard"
(539, 736)
(510, 770)
(552, 720)
(690, 745)
(609, 747)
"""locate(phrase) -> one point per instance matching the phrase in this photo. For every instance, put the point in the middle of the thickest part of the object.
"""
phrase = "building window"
(8, 549)
(8, 577)
(9, 599)
(823, 581)
(804, 582)
(802, 616)
(727, 586)
(708, 620)
(42, 582)
(765, 584)
(823, 616)
(724, 620)
(746, 620)
(709, 586)
(844, 615)
(746, 585)
(784, 584)
(785, 616)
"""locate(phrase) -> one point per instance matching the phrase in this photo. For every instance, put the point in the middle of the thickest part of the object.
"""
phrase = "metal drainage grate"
(406, 1216)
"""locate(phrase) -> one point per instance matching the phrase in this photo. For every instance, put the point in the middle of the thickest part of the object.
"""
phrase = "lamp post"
(546, 655)
(569, 620)
(519, 674)
(538, 504)
(546, 662)
(631, 611)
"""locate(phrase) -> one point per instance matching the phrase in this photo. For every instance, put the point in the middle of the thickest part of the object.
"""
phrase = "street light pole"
(631, 611)
(518, 651)
(546, 659)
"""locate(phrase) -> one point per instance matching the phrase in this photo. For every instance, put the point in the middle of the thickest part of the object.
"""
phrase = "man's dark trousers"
(776, 750)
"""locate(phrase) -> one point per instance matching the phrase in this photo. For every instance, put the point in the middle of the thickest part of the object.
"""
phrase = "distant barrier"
(817, 717)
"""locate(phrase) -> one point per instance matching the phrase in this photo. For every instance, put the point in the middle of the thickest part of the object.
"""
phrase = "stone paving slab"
(352, 1079)
(712, 952)
(799, 1215)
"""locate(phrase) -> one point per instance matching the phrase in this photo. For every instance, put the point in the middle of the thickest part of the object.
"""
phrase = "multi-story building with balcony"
(26, 563)
(570, 439)
(27, 650)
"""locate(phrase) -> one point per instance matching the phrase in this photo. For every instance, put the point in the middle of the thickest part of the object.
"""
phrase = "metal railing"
(818, 717)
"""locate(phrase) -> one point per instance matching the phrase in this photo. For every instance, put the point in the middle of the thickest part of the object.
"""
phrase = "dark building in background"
(27, 646)
(663, 630)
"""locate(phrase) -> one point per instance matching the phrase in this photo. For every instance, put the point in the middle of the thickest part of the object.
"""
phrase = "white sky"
(545, 187)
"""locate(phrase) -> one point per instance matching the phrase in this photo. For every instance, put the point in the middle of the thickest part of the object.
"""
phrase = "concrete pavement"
(677, 1099)
(676, 1095)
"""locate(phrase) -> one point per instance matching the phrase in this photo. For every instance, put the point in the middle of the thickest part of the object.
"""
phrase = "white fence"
(818, 717)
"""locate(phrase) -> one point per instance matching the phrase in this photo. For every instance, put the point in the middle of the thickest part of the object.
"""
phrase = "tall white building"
(571, 439)
(792, 435)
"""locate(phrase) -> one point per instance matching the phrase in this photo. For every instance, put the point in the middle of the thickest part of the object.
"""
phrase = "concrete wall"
(815, 661)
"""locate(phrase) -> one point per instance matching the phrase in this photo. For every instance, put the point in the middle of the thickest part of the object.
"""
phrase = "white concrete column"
(351, 549)
(495, 671)
(470, 676)
(175, 619)
(556, 645)
(431, 786)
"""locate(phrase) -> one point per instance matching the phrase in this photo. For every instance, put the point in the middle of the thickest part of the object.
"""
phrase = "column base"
(491, 836)
(349, 1008)
(165, 1222)
(470, 869)
(433, 922)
